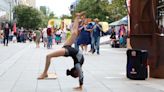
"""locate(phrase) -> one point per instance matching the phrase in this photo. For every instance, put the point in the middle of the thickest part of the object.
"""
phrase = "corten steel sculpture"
(144, 34)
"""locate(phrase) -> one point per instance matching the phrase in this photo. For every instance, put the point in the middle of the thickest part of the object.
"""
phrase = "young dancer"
(69, 51)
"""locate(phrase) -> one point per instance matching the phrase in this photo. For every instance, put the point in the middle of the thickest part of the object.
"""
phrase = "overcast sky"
(59, 7)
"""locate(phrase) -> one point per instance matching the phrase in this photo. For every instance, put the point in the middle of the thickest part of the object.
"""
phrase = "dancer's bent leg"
(58, 53)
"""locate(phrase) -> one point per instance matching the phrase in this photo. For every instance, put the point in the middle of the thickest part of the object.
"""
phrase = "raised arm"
(74, 32)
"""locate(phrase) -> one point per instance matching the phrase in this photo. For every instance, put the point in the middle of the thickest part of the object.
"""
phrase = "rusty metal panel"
(143, 28)
(142, 20)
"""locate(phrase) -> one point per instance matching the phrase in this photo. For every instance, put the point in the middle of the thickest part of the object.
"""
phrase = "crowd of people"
(7, 35)
(21, 35)
(90, 33)
(118, 37)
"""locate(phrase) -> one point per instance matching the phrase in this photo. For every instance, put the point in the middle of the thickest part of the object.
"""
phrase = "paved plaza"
(22, 63)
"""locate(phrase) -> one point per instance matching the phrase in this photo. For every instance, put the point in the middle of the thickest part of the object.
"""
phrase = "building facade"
(6, 7)
(22, 2)
(73, 6)
(31, 3)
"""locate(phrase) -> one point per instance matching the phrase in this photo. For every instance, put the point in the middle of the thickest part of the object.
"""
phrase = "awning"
(123, 21)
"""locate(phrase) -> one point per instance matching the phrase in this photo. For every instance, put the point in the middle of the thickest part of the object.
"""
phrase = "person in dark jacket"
(96, 36)
(6, 34)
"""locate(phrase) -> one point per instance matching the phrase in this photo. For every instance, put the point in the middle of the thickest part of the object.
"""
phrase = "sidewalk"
(21, 64)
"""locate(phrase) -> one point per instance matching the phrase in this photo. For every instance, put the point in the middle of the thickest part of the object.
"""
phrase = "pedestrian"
(122, 31)
(38, 36)
(14, 37)
(58, 36)
(161, 29)
(44, 32)
(49, 37)
(121, 41)
(1, 36)
(69, 51)
(84, 37)
(30, 36)
(90, 26)
(96, 36)
(6, 34)
(123, 34)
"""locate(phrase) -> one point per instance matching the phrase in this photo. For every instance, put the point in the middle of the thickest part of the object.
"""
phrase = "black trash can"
(137, 64)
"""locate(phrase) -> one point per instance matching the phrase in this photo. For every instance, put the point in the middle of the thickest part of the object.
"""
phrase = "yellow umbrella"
(51, 22)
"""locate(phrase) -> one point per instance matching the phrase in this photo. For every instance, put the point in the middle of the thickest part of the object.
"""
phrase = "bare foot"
(42, 76)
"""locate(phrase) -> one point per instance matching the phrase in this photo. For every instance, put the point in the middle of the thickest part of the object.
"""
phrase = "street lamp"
(9, 1)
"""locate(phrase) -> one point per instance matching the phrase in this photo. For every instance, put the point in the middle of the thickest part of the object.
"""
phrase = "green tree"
(28, 17)
(44, 21)
(66, 17)
(51, 15)
(117, 9)
(102, 9)
(94, 8)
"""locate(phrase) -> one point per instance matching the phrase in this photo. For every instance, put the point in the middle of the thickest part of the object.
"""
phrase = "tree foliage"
(51, 15)
(94, 8)
(102, 9)
(47, 15)
(28, 17)
(66, 17)
(117, 9)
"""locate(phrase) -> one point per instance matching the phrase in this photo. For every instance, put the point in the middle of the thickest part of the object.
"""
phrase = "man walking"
(96, 36)
(6, 34)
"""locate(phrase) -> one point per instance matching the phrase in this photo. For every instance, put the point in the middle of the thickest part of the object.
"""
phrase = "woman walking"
(84, 37)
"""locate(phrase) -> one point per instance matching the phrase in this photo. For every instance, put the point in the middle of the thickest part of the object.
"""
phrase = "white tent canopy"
(123, 21)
